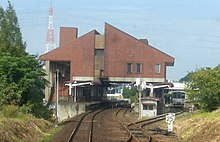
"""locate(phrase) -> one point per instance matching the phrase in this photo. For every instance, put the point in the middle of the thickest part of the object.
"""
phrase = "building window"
(99, 52)
(148, 107)
(151, 107)
(129, 67)
(138, 67)
(145, 107)
(157, 68)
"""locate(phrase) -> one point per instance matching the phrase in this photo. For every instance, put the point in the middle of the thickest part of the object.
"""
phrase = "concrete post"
(57, 92)
(140, 105)
(75, 93)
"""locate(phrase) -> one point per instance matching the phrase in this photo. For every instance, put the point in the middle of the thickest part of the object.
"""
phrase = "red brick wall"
(121, 48)
(80, 53)
(67, 35)
(82, 60)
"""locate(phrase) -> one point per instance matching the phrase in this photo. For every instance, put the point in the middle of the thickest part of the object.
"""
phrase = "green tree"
(130, 93)
(204, 87)
(22, 81)
(186, 78)
(1, 14)
(24, 75)
(21, 75)
(10, 34)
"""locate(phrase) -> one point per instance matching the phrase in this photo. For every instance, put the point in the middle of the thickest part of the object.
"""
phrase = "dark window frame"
(99, 52)
(139, 68)
(151, 107)
(157, 68)
(129, 68)
(148, 107)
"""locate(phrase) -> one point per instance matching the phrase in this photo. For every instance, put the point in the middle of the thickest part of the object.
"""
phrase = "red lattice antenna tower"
(50, 42)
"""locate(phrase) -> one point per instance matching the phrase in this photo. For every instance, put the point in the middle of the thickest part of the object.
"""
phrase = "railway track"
(153, 120)
(84, 128)
(137, 130)
(104, 125)
(91, 127)
(136, 133)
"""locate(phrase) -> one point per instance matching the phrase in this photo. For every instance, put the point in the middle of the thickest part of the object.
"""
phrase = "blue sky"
(188, 30)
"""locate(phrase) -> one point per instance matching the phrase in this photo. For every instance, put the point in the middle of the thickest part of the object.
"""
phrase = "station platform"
(69, 109)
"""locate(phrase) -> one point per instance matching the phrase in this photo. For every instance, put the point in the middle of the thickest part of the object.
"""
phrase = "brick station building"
(93, 61)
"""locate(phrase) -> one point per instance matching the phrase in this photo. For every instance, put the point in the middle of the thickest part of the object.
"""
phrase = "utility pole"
(140, 104)
(75, 82)
(139, 88)
(57, 92)
(50, 41)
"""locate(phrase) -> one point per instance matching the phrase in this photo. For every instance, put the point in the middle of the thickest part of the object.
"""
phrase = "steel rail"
(139, 124)
(79, 123)
(73, 133)
(131, 136)
(154, 119)
(91, 125)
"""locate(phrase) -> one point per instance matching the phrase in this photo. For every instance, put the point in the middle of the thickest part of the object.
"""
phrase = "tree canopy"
(203, 87)
(130, 93)
(21, 74)
(10, 34)
(22, 79)
(186, 78)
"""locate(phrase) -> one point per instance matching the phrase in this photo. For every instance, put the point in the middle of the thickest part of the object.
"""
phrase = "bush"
(11, 111)
(38, 110)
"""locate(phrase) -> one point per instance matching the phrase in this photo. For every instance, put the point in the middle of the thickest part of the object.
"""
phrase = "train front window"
(175, 95)
(183, 95)
(179, 95)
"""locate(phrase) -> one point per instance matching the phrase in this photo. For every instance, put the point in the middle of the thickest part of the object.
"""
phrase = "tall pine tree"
(3, 26)
(10, 34)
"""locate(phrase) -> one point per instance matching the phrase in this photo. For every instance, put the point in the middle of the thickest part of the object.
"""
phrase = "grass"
(11, 112)
(48, 137)
(20, 127)
(202, 126)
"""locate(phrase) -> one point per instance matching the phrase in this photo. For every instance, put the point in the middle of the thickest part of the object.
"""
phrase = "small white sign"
(170, 127)
(170, 118)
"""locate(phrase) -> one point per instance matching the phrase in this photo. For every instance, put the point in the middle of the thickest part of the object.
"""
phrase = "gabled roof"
(53, 55)
(140, 42)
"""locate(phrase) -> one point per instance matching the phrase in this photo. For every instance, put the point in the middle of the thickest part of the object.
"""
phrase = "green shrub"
(39, 110)
(10, 111)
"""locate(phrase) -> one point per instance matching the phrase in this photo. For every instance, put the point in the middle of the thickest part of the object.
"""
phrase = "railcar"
(177, 98)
